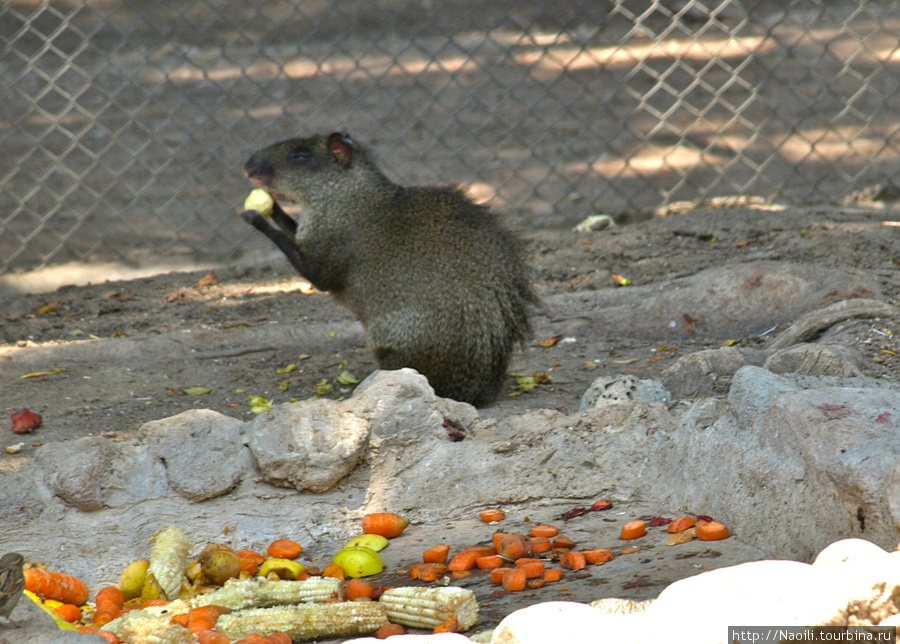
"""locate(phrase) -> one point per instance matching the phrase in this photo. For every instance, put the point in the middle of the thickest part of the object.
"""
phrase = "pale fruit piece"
(359, 561)
(260, 201)
(374, 541)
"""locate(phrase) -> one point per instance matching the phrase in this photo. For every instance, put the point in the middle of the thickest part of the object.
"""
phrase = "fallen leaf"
(621, 281)
(48, 308)
(283, 370)
(259, 404)
(551, 342)
(323, 387)
(197, 391)
(681, 537)
(210, 279)
(177, 295)
(41, 374)
(730, 343)
(283, 386)
(347, 378)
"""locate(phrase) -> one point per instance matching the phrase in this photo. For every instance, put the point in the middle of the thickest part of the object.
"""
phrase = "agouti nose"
(258, 168)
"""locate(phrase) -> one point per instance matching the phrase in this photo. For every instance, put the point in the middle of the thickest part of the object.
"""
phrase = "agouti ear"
(341, 147)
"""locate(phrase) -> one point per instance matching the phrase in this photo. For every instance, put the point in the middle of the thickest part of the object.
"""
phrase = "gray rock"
(707, 372)
(93, 472)
(622, 388)
(816, 360)
(203, 452)
(401, 404)
(20, 501)
(308, 446)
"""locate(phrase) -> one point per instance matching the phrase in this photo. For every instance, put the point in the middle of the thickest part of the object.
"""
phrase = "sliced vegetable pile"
(226, 596)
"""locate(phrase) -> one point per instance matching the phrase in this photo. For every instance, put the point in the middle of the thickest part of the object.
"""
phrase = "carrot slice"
(387, 630)
(493, 514)
(447, 626)
(544, 531)
(488, 562)
(284, 549)
(711, 531)
(514, 580)
(562, 541)
(573, 560)
(541, 545)
(497, 575)
(554, 574)
(598, 555)
(533, 568)
(69, 612)
(681, 524)
(427, 571)
(357, 588)
(633, 529)
(436, 554)
(515, 546)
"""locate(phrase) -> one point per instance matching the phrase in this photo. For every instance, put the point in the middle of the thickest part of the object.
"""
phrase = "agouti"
(437, 283)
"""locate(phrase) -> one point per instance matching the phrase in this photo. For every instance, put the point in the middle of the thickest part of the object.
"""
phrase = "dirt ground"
(107, 357)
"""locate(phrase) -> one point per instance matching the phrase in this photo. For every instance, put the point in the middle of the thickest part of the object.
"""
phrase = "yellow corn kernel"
(169, 560)
(428, 607)
(305, 621)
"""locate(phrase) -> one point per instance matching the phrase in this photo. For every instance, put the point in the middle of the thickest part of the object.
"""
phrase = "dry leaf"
(41, 374)
(682, 537)
(550, 342)
(210, 279)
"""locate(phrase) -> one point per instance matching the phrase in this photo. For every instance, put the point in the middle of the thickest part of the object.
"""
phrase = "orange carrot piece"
(460, 574)
(248, 565)
(56, 585)
(427, 571)
(464, 560)
(493, 514)
(358, 588)
(387, 524)
(388, 630)
(209, 636)
(333, 570)
(69, 612)
(533, 568)
(554, 574)
(284, 549)
(250, 554)
(436, 554)
(496, 538)
(544, 530)
(562, 541)
(497, 574)
(110, 603)
(711, 531)
(277, 638)
(181, 620)
(633, 529)
(252, 638)
(573, 560)
(488, 562)
(681, 524)
(447, 626)
(598, 555)
(204, 617)
(514, 580)
(536, 583)
(541, 545)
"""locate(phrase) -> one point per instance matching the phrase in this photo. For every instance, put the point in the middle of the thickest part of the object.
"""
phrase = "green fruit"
(374, 541)
(359, 561)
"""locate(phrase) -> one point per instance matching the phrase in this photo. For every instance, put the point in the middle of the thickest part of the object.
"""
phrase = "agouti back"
(438, 284)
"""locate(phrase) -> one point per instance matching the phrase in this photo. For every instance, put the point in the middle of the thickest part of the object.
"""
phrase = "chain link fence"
(124, 124)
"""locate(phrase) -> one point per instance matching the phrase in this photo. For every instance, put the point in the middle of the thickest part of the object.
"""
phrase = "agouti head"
(306, 170)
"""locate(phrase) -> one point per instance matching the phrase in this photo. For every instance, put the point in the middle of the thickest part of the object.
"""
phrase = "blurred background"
(124, 125)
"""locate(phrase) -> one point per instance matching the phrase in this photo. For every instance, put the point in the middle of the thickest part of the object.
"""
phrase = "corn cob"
(256, 593)
(428, 607)
(141, 627)
(169, 560)
(306, 621)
